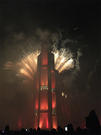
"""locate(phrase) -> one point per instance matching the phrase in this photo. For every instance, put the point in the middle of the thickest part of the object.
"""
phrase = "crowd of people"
(92, 128)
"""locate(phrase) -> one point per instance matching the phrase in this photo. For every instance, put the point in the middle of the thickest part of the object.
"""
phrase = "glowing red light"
(43, 120)
(47, 123)
(54, 122)
(44, 100)
(36, 105)
(53, 100)
(41, 123)
(44, 60)
(44, 76)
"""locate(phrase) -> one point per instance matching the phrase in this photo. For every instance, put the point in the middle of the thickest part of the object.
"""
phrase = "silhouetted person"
(23, 131)
(53, 131)
(92, 122)
(38, 130)
(70, 129)
(60, 130)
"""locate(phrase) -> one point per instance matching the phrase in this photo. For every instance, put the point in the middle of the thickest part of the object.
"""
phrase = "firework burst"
(63, 59)
(26, 67)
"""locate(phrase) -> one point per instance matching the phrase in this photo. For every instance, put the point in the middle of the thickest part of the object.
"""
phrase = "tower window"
(43, 88)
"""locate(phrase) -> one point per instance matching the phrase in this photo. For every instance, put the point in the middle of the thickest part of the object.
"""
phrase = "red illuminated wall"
(43, 120)
(53, 100)
(54, 122)
(44, 76)
(37, 95)
(36, 103)
(44, 58)
(44, 100)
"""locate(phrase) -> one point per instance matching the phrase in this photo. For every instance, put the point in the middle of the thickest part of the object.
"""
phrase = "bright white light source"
(66, 129)
(62, 94)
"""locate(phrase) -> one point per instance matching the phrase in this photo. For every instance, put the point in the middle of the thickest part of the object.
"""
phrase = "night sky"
(79, 24)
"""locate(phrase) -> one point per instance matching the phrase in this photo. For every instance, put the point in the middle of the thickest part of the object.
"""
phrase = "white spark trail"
(27, 66)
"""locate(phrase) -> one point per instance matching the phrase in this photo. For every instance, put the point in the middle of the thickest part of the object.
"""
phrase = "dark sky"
(77, 21)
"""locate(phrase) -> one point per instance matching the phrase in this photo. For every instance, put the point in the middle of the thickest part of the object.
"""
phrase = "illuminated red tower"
(45, 94)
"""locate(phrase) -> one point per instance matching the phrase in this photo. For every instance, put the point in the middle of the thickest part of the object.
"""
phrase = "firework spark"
(63, 59)
(27, 66)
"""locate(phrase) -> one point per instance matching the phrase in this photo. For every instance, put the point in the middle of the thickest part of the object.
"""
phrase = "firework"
(26, 67)
(63, 59)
